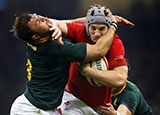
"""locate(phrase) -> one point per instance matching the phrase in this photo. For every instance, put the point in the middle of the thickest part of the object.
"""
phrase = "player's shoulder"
(132, 88)
(117, 41)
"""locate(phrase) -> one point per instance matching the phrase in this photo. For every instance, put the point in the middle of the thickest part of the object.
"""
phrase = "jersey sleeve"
(70, 52)
(74, 30)
(116, 54)
(131, 105)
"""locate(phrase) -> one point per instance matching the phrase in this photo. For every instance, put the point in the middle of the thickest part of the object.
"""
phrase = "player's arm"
(100, 48)
(109, 110)
(62, 24)
(123, 110)
(120, 21)
(79, 20)
(116, 77)
(63, 27)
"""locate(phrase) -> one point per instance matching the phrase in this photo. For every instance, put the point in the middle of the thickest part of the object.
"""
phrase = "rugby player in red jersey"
(78, 88)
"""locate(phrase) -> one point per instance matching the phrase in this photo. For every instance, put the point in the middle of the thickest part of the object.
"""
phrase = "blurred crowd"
(141, 42)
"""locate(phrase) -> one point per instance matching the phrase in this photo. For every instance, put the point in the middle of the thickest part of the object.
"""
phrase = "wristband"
(114, 25)
(117, 113)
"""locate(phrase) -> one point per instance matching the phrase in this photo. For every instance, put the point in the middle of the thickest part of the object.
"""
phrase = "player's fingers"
(52, 28)
(109, 11)
(130, 24)
(50, 25)
(111, 16)
(102, 108)
(55, 32)
(97, 110)
(102, 111)
(58, 35)
(59, 38)
(108, 104)
(60, 41)
(127, 22)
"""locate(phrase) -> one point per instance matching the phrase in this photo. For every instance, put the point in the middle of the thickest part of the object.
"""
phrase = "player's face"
(96, 31)
(39, 23)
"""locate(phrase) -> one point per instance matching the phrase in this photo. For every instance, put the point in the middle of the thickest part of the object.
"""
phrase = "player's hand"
(122, 21)
(111, 15)
(105, 110)
(57, 34)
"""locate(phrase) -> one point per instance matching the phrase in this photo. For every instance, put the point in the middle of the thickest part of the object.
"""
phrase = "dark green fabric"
(50, 70)
(133, 99)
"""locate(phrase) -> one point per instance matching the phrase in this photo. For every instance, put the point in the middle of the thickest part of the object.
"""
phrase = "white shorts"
(74, 106)
(21, 106)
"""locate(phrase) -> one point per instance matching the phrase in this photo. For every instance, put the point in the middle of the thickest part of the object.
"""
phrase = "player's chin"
(94, 40)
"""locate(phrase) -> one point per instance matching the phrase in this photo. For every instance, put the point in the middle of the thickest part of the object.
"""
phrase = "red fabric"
(59, 110)
(78, 84)
(116, 54)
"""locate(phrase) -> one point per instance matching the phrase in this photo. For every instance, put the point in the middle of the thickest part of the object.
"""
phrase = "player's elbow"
(121, 74)
(121, 81)
(118, 82)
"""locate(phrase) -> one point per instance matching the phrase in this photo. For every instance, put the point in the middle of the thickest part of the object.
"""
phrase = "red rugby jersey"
(77, 84)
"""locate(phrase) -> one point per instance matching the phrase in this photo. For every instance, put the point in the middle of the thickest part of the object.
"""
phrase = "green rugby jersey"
(48, 70)
(133, 99)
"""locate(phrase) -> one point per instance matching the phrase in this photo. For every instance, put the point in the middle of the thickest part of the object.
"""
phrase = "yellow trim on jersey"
(33, 47)
(115, 94)
(115, 101)
(29, 69)
(52, 38)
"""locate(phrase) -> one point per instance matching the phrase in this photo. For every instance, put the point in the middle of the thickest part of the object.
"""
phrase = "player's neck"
(117, 91)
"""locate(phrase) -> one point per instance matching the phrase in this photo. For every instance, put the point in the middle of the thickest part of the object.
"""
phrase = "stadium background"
(141, 42)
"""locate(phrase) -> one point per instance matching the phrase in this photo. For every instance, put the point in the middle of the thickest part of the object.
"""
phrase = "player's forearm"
(79, 20)
(123, 110)
(105, 77)
(111, 78)
(101, 47)
(61, 24)
(104, 43)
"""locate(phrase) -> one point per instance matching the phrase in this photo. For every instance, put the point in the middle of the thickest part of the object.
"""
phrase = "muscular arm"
(120, 21)
(63, 27)
(79, 20)
(101, 47)
(93, 51)
(61, 24)
(116, 77)
(103, 44)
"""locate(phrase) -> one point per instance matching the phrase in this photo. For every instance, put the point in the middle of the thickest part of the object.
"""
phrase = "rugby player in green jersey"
(48, 62)
(126, 101)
